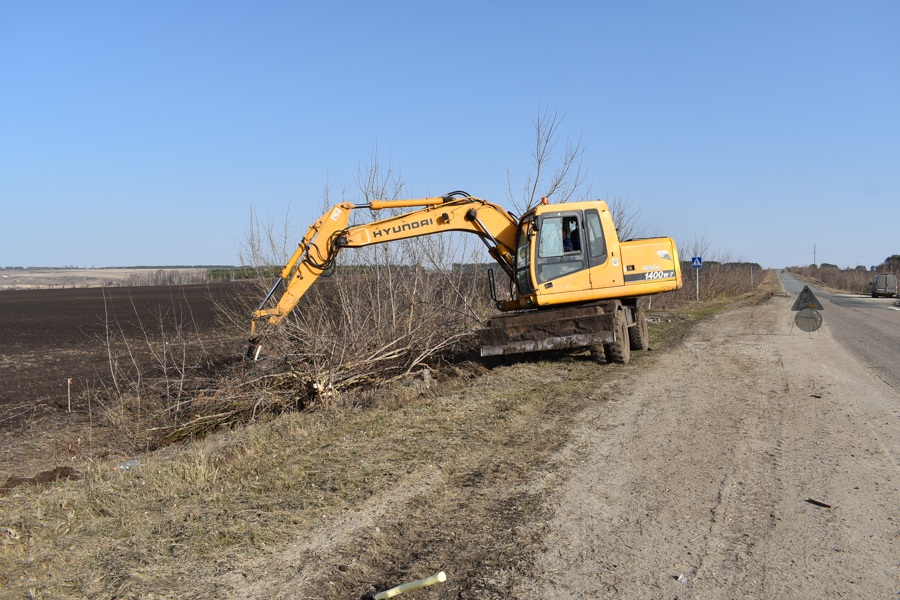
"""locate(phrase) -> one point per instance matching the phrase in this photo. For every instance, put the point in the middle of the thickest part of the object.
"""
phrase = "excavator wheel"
(638, 335)
(620, 350)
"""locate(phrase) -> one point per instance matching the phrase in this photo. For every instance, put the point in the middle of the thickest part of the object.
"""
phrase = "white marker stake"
(69, 390)
(412, 585)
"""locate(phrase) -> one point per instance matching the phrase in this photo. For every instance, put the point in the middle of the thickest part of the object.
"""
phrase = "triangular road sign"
(806, 299)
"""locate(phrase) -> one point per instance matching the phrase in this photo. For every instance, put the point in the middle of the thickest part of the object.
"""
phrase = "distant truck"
(884, 285)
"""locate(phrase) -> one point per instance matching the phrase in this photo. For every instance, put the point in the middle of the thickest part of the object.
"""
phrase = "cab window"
(551, 237)
(595, 240)
(557, 254)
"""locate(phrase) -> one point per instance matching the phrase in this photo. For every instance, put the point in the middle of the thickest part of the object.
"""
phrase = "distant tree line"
(167, 277)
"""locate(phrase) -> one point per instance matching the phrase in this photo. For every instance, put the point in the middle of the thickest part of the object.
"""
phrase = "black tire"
(620, 350)
(638, 335)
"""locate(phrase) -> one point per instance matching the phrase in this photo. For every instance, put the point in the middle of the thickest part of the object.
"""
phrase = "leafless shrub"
(719, 278)
(628, 219)
(153, 375)
(385, 312)
(717, 281)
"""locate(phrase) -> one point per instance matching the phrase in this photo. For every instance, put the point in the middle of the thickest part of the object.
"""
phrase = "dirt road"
(710, 475)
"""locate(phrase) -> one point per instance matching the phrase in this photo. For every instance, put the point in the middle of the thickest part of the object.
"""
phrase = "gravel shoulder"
(706, 477)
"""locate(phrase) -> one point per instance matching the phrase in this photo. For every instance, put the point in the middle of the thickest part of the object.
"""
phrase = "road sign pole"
(697, 279)
(696, 263)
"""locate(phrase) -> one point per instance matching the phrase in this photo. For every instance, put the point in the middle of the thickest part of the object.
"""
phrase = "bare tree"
(265, 245)
(627, 217)
(562, 180)
(701, 246)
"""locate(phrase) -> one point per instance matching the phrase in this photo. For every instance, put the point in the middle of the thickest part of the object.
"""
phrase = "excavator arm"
(330, 234)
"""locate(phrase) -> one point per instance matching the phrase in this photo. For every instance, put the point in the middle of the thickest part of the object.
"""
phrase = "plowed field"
(51, 335)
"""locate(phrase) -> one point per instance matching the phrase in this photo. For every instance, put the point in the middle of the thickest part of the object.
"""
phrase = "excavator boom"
(332, 233)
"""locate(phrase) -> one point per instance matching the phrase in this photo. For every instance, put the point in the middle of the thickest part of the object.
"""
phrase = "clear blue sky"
(144, 133)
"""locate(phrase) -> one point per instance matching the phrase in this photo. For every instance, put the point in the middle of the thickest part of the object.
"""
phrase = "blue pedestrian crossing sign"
(697, 262)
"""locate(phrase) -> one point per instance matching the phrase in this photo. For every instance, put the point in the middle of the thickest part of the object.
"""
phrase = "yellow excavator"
(573, 283)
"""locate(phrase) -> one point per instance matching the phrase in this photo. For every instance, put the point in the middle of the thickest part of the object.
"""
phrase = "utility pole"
(814, 255)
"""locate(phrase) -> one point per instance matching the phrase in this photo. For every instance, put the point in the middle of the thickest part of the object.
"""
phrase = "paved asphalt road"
(867, 327)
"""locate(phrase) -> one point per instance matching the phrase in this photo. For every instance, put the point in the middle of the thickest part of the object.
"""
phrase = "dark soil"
(51, 335)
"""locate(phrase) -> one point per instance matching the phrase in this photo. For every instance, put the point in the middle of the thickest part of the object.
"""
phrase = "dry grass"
(200, 507)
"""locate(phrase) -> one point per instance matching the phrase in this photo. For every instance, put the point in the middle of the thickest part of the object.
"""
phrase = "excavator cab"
(561, 248)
